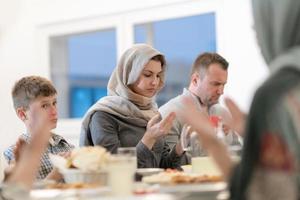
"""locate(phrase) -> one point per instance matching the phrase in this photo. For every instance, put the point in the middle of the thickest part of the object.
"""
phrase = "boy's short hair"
(204, 60)
(29, 88)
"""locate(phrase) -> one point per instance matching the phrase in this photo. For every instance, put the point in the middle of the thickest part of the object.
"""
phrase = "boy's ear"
(21, 112)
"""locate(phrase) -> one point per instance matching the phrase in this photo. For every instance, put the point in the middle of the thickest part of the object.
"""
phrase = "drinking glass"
(129, 152)
(121, 169)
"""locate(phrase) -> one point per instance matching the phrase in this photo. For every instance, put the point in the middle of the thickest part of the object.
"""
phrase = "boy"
(33, 97)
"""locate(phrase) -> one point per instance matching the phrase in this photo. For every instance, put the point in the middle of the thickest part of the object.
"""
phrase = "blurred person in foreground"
(23, 174)
(269, 167)
(35, 96)
(128, 116)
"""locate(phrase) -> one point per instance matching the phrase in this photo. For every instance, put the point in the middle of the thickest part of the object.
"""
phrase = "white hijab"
(128, 71)
(121, 100)
(277, 24)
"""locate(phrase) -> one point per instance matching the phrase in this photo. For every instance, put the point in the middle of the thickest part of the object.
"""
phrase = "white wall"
(20, 48)
(238, 44)
(17, 58)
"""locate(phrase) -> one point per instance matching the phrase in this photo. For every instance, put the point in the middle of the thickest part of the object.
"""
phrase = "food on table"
(89, 158)
(177, 177)
(64, 186)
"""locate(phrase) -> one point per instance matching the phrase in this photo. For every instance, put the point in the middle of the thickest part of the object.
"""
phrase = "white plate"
(204, 188)
(59, 193)
(148, 171)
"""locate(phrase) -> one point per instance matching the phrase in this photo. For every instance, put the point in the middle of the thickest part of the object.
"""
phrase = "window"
(181, 40)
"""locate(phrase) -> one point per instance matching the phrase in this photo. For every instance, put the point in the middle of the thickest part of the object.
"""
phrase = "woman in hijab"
(270, 162)
(128, 116)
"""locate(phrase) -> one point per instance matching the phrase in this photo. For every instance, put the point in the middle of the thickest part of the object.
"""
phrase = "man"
(208, 79)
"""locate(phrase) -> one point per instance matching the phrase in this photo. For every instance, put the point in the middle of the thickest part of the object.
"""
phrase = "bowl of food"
(73, 175)
(84, 165)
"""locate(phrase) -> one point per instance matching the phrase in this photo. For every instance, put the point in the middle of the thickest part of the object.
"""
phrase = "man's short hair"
(29, 88)
(204, 60)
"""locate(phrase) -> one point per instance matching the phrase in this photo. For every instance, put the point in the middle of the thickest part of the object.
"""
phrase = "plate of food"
(203, 188)
(174, 177)
(173, 181)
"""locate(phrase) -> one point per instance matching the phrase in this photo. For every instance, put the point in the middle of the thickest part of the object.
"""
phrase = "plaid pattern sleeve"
(8, 154)
(56, 146)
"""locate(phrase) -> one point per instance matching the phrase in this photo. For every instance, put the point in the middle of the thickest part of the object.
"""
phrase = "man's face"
(211, 87)
(42, 107)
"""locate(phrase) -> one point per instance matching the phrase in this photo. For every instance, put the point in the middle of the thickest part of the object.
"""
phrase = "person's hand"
(226, 129)
(29, 158)
(20, 145)
(9, 170)
(215, 120)
(40, 130)
(238, 119)
(157, 128)
(55, 175)
(198, 120)
(201, 124)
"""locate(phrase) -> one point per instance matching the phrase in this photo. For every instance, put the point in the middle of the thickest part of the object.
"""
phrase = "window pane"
(140, 34)
(99, 93)
(80, 68)
(181, 40)
(92, 55)
(81, 99)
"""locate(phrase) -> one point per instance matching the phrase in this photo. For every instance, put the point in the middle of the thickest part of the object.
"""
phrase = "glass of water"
(121, 171)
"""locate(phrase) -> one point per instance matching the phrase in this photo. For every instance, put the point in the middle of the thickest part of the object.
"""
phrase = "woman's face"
(148, 82)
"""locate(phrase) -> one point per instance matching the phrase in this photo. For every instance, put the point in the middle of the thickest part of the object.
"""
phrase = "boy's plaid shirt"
(57, 144)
